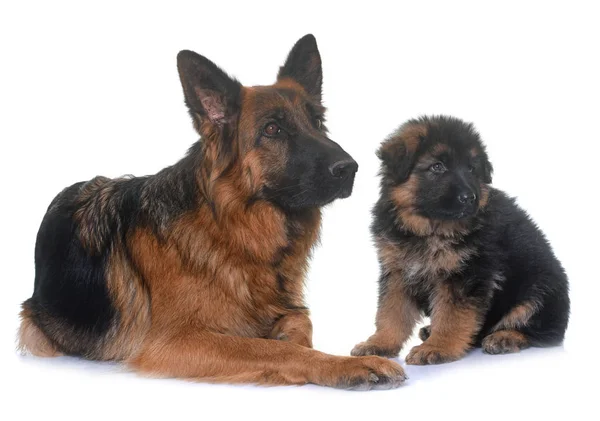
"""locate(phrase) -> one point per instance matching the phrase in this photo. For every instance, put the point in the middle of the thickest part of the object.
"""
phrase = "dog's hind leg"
(213, 357)
(295, 328)
(517, 317)
(32, 340)
(506, 336)
(504, 342)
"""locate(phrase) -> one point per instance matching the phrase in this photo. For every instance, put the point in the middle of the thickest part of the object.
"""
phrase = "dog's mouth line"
(446, 215)
(345, 190)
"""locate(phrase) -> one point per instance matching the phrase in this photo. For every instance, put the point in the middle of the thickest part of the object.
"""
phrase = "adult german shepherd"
(197, 271)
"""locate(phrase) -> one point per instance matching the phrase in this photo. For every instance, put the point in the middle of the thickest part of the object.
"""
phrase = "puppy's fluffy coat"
(454, 248)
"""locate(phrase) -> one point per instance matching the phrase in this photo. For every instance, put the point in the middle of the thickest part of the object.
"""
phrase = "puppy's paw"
(504, 342)
(371, 348)
(425, 333)
(425, 354)
(366, 373)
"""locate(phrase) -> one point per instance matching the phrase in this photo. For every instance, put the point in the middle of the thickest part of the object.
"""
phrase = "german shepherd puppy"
(455, 249)
(197, 271)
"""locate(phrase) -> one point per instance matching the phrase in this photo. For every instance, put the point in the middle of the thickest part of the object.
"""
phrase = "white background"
(94, 90)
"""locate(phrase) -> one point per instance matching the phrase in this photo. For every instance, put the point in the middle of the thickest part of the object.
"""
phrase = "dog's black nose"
(343, 168)
(467, 198)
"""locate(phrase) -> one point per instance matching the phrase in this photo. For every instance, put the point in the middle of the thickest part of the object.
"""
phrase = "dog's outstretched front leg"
(202, 355)
(294, 327)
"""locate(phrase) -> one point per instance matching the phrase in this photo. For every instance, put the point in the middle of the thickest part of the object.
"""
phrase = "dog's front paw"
(425, 354)
(370, 348)
(365, 373)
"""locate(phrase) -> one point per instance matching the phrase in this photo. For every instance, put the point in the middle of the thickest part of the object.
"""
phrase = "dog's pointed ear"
(398, 152)
(209, 92)
(303, 65)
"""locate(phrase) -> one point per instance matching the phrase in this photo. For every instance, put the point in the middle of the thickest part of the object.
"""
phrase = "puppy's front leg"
(397, 315)
(294, 327)
(454, 323)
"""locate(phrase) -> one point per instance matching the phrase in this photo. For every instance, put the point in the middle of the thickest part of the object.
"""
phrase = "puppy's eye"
(438, 167)
(471, 168)
(272, 129)
(319, 123)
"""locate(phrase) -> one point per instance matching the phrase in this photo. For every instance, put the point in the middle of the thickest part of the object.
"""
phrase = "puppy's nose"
(467, 198)
(343, 168)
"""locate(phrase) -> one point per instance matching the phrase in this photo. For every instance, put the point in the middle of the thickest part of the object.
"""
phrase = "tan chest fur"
(432, 260)
(225, 276)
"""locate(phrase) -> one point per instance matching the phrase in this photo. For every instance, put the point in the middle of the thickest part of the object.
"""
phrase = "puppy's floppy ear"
(303, 65)
(488, 170)
(209, 92)
(398, 152)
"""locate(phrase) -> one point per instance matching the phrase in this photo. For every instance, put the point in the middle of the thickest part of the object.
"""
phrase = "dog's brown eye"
(319, 123)
(272, 129)
(438, 167)
(471, 168)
